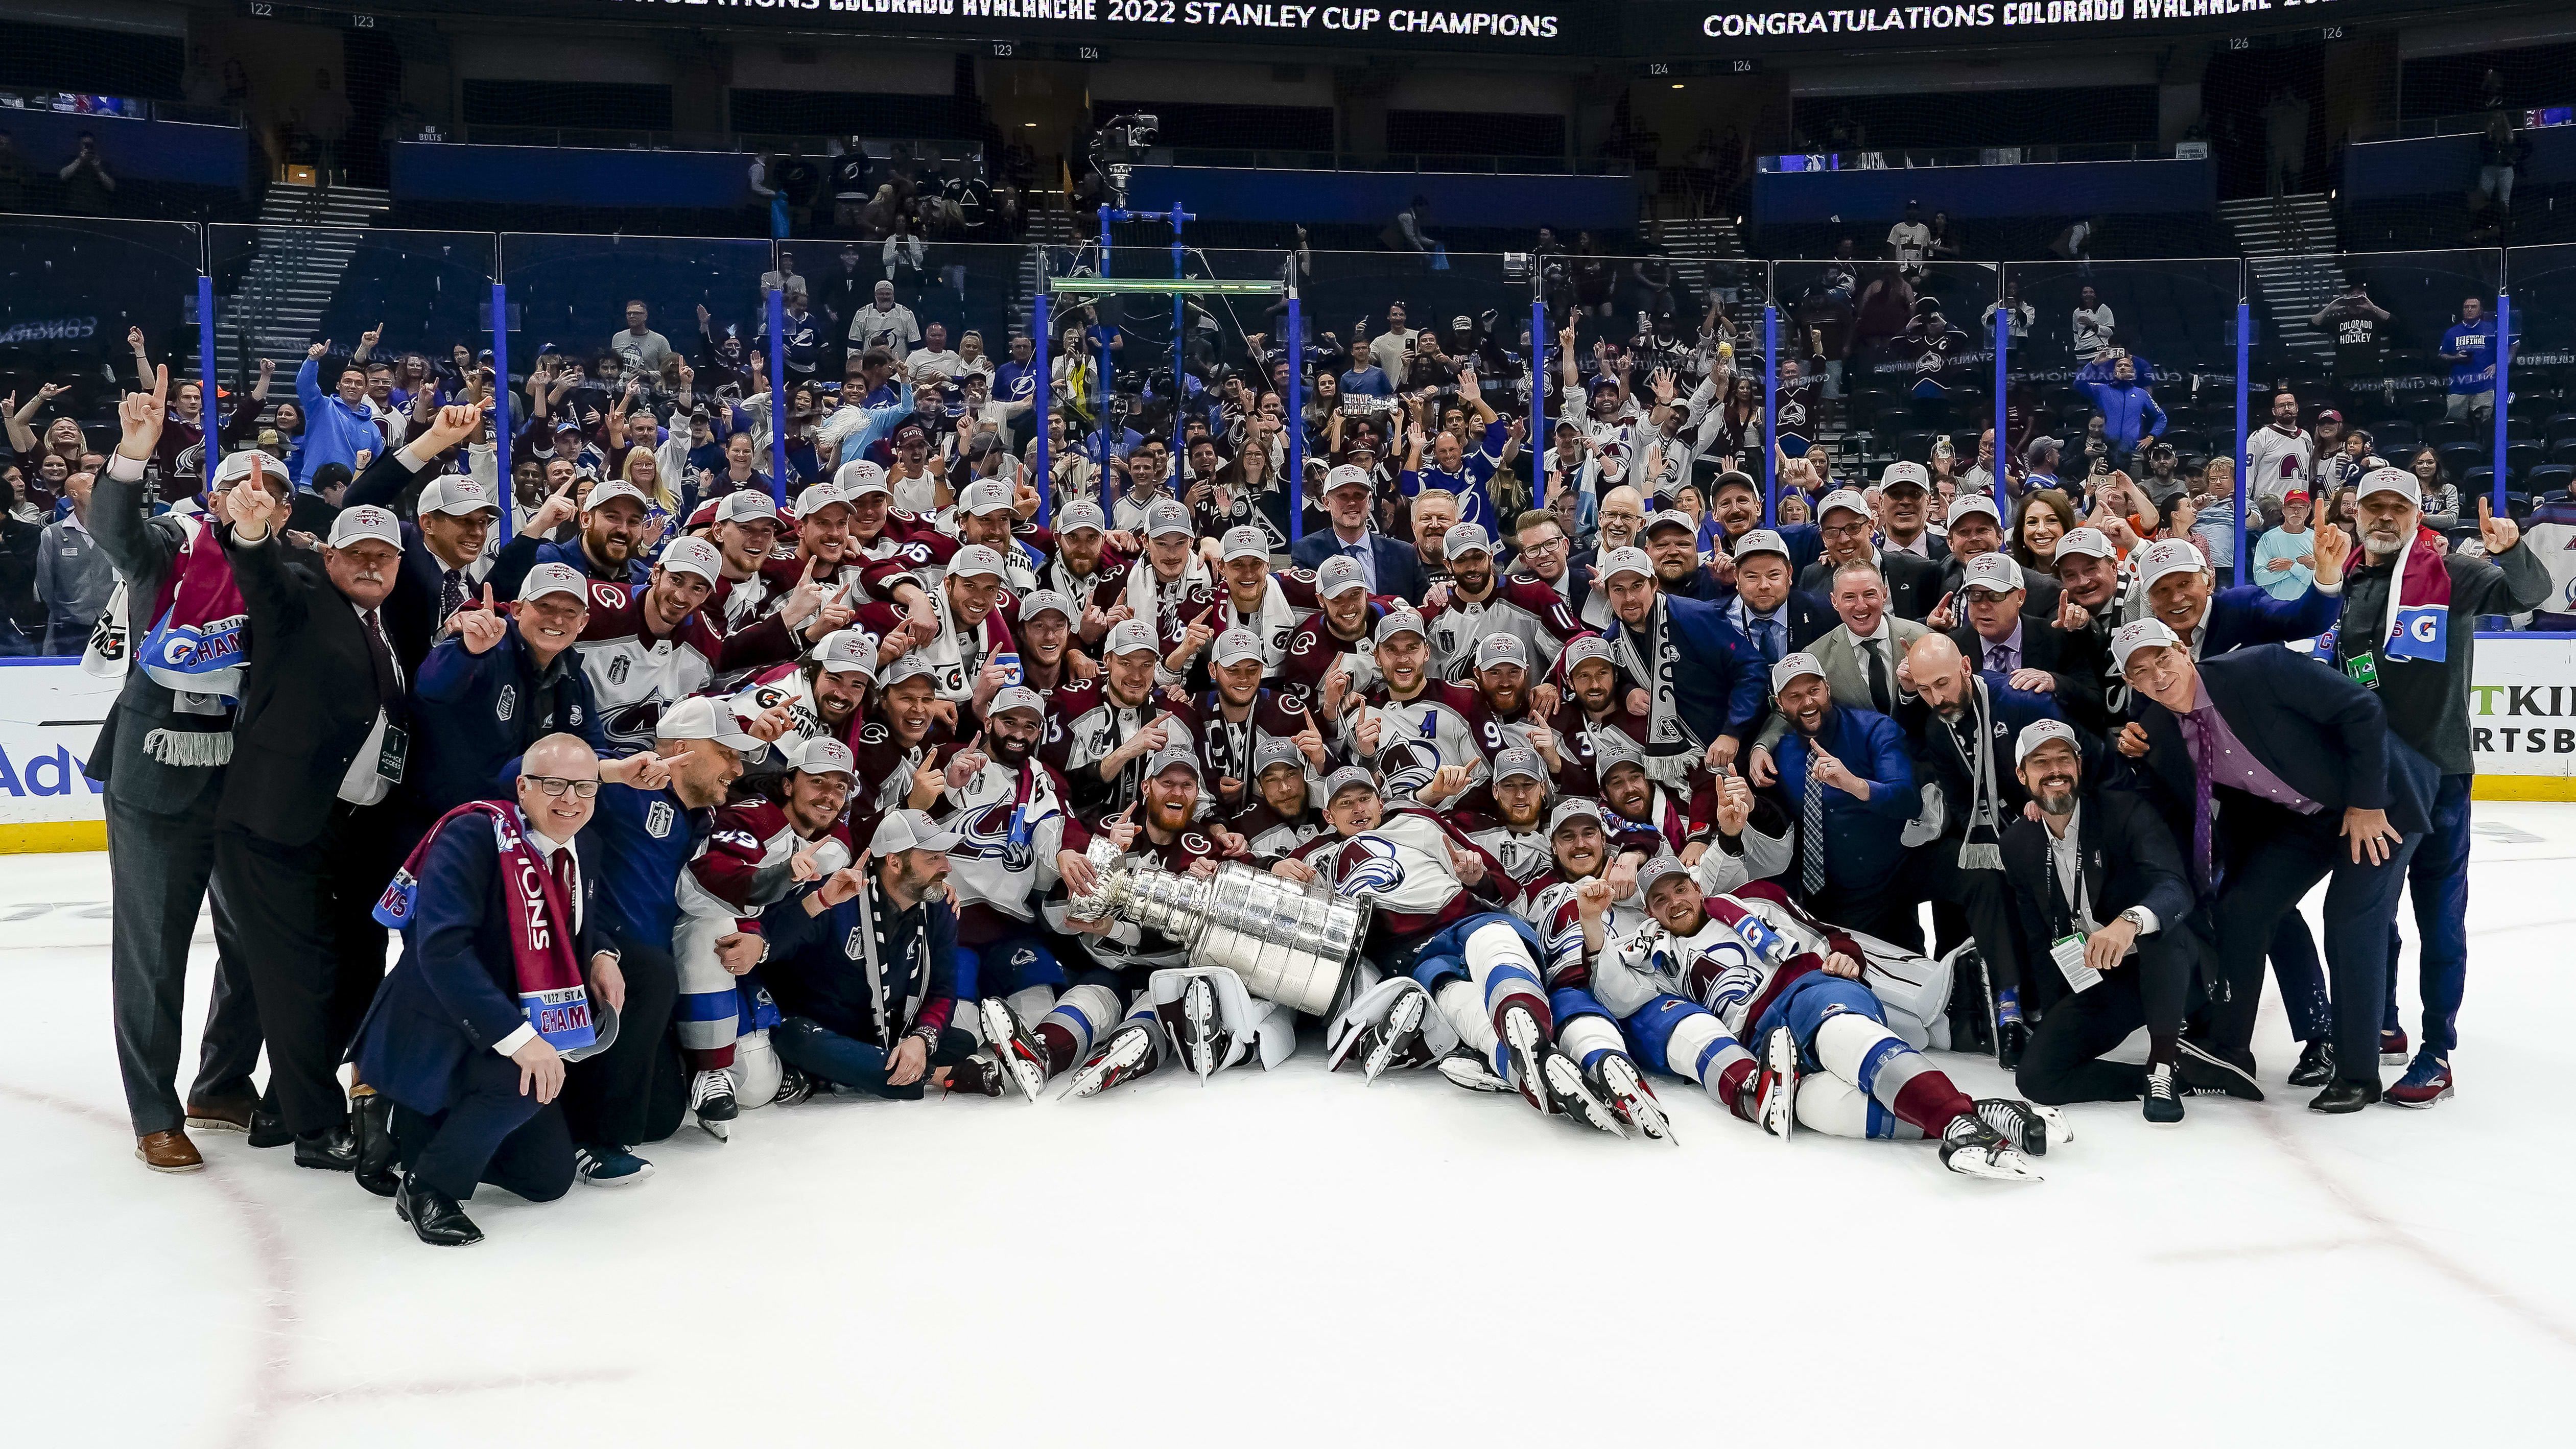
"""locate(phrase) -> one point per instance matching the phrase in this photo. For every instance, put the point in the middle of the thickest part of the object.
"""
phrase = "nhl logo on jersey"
(617, 668)
(507, 704)
(657, 820)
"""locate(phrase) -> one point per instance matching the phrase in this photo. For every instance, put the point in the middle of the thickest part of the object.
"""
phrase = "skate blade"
(1635, 1104)
(1027, 1076)
(1402, 1022)
(1573, 1096)
(720, 1131)
(2007, 1167)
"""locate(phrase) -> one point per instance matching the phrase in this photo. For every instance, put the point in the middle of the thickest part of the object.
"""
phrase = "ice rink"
(1292, 1258)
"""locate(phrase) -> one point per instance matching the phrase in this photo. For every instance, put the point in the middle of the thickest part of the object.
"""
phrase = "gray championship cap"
(909, 830)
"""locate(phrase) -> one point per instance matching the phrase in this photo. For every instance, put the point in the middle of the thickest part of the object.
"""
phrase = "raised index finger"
(161, 383)
(2486, 507)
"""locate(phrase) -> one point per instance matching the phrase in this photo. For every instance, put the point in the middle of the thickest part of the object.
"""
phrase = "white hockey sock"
(1462, 1005)
(1081, 1013)
(1873, 1064)
(1031, 1003)
(1587, 1038)
(1700, 1049)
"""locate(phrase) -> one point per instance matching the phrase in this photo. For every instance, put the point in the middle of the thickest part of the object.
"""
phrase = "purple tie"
(2201, 749)
(2000, 659)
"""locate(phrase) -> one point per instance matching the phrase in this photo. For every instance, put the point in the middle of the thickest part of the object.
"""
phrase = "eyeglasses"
(555, 785)
(1545, 545)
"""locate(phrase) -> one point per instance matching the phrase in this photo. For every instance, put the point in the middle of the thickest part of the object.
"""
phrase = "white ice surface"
(1292, 1258)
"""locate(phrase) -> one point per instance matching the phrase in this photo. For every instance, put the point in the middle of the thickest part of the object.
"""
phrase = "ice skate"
(1625, 1088)
(711, 1102)
(793, 1087)
(1023, 1060)
(1466, 1068)
(1385, 1045)
(979, 1074)
(1970, 1148)
(2026, 1125)
(1198, 1030)
(1775, 1086)
(1128, 1053)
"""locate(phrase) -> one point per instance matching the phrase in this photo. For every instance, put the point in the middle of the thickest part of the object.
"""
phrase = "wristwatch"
(2135, 917)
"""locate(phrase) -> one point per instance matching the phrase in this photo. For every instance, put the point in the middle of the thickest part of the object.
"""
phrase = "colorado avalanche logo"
(987, 836)
(1368, 868)
(1405, 766)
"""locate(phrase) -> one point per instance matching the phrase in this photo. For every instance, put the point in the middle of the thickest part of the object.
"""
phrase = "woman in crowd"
(2441, 493)
(2285, 558)
(2043, 517)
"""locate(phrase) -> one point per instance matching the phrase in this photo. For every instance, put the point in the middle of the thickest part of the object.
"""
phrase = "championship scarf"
(1159, 604)
(194, 649)
(1982, 846)
(2419, 604)
(546, 964)
(1273, 623)
(949, 659)
(1665, 732)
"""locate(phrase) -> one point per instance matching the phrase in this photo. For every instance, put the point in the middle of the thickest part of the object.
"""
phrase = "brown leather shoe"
(168, 1152)
(221, 1116)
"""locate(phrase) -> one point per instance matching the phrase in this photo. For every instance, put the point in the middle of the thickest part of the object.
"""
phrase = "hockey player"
(1083, 560)
(824, 695)
(1407, 703)
(1478, 604)
(1102, 730)
(1171, 586)
(1634, 804)
(987, 513)
(1507, 827)
(1047, 657)
(954, 629)
(1448, 964)
(759, 850)
(893, 748)
(1267, 604)
(1282, 816)
(753, 583)
(1233, 719)
(1014, 840)
(1588, 706)
(649, 647)
(1337, 634)
(1713, 972)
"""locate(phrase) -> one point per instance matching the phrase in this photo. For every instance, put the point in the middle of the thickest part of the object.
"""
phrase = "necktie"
(1999, 658)
(1773, 640)
(389, 691)
(1878, 695)
(2201, 750)
(565, 882)
(1811, 830)
(451, 593)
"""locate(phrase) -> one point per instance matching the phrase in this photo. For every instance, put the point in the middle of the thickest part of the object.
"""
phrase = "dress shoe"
(2012, 1038)
(267, 1129)
(434, 1216)
(222, 1114)
(372, 1120)
(2345, 1096)
(168, 1152)
(332, 1149)
(2316, 1065)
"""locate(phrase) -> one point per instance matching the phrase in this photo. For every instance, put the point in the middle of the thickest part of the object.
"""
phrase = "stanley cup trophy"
(1287, 945)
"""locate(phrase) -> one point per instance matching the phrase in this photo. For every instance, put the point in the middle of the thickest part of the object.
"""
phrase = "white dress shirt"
(362, 785)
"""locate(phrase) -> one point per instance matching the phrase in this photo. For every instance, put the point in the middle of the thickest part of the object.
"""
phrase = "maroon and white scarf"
(552, 994)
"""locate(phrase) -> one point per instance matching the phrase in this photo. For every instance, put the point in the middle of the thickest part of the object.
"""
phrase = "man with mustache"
(648, 647)
(1477, 603)
(1329, 651)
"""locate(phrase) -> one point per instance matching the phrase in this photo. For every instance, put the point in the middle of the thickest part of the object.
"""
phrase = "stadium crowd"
(700, 789)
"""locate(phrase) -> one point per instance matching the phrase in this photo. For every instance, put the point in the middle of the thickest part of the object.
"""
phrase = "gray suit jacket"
(142, 549)
(1847, 674)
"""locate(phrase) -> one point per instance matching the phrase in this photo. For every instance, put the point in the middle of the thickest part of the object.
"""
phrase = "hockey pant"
(1476, 969)
(715, 1007)
(858, 1067)
(1857, 1078)
(1022, 970)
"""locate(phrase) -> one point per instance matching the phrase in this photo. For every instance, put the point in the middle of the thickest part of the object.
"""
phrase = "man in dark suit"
(443, 554)
(2099, 866)
(502, 681)
(1964, 743)
(306, 837)
(1846, 779)
(2280, 772)
(1780, 620)
(1702, 680)
(1389, 565)
(448, 1038)
(2023, 649)
(1843, 522)
(2175, 589)
(1542, 557)
(1907, 487)
(160, 755)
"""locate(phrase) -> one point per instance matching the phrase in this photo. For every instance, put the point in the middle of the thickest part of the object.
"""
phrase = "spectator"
(73, 575)
(2018, 315)
(2042, 518)
(339, 427)
(2470, 347)
(786, 278)
(88, 188)
(1391, 349)
(2094, 326)
(2501, 152)
(2285, 558)
(1909, 240)
(885, 323)
(2215, 523)
(639, 347)
(2130, 417)
(1405, 234)
(2279, 455)
(2441, 495)
(932, 363)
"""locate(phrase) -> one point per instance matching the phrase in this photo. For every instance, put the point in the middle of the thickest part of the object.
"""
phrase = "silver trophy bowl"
(1288, 945)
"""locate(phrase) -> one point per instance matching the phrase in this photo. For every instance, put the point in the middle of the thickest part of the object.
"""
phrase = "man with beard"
(1408, 704)
(1966, 748)
(1388, 566)
(1845, 778)
(1906, 487)
(821, 696)
(755, 855)
(1448, 965)
(1589, 708)
(1476, 605)
(957, 630)
(987, 514)
(1335, 641)
(2279, 456)
(1672, 541)
(1015, 840)
(1235, 716)
(1130, 966)
(1083, 563)
(1283, 815)
(1110, 726)
(1170, 586)
(615, 537)
(892, 752)
(1702, 679)
(1434, 514)
(1714, 972)
(1048, 660)
(2415, 607)
(1779, 620)
(2026, 651)
(1640, 812)
(1504, 718)
(1515, 799)
(1844, 524)
(1452, 471)
(1976, 529)
(2098, 885)
(648, 647)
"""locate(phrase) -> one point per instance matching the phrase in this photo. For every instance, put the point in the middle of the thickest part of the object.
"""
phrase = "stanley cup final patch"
(657, 819)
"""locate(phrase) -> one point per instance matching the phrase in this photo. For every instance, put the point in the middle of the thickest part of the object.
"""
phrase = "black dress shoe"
(331, 1150)
(373, 1122)
(267, 1129)
(2345, 1096)
(434, 1216)
(2316, 1065)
